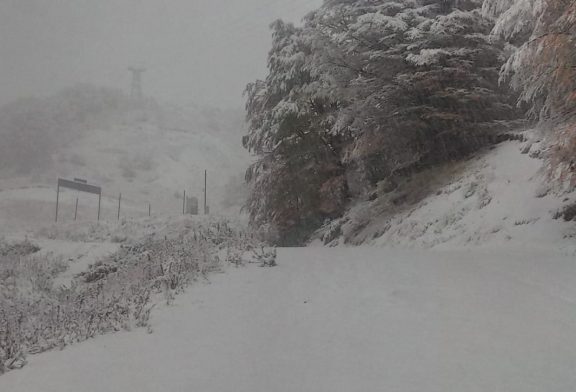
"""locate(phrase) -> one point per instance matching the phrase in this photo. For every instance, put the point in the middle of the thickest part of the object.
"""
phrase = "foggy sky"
(202, 51)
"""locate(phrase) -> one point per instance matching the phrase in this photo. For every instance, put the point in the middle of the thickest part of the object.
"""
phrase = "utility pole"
(99, 203)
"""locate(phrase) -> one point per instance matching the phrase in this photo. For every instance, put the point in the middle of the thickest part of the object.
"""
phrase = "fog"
(63, 66)
(195, 51)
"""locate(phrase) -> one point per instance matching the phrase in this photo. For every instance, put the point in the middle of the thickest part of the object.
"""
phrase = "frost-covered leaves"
(515, 19)
(542, 66)
(410, 64)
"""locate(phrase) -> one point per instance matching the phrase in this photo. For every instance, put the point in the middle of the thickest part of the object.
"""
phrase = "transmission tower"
(136, 91)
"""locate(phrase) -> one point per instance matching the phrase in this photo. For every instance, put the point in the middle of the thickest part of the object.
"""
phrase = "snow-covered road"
(357, 319)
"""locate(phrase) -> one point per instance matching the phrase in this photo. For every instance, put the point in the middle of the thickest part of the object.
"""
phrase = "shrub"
(115, 294)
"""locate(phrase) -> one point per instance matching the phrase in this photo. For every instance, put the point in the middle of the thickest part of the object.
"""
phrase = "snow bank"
(495, 199)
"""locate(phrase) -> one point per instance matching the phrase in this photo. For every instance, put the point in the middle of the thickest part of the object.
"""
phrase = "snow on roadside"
(42, 309)
(356, 319)
(497, 199)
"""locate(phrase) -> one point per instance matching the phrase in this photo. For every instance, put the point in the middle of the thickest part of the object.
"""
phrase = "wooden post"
(99, 201)
(57, 199)
(76, 210)
(205, 192)
(119, 202)
(184, 203)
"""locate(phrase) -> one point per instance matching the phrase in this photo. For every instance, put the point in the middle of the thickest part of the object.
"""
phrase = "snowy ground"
(363, 319)
(496, 198)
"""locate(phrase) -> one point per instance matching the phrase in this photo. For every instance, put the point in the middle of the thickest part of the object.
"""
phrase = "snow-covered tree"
(542, 67)
(290, 123)
(421, 80)
(368, 90)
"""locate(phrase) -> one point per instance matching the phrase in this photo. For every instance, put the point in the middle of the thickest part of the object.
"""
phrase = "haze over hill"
(149, 152)
(198, 56)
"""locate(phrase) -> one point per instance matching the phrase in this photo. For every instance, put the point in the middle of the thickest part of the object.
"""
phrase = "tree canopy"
(365, 91)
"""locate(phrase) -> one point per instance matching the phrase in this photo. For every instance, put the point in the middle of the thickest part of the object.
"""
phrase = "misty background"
(195, 51)
(67, 109)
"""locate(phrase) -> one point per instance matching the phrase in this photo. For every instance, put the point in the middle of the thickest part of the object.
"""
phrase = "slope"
(497, 198)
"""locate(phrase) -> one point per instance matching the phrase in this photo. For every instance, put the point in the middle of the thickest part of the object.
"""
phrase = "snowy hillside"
(151, 158)
(343, 320)
(496, 198)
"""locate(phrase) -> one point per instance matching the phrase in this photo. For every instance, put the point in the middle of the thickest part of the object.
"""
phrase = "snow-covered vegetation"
(364, 92)
(497, 198)
(540, 34)
(368, 94)
(114, 293)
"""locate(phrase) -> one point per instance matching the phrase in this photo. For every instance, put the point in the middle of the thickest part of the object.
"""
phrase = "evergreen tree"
(542, 68)
(289, 122)
(365, 91)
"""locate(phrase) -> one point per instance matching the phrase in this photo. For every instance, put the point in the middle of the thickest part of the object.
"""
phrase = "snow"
(80, 255)
(513, 17)
(346, 319)
(427, 56)
(497, 199)
(367, 21)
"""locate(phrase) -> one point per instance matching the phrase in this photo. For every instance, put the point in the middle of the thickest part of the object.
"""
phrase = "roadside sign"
(78, 185)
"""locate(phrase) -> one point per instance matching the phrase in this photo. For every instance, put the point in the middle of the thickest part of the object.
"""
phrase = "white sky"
(202, 51)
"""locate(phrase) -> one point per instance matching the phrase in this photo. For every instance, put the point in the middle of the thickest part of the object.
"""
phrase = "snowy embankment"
(496, 198)
(361, 319)
(76, 282)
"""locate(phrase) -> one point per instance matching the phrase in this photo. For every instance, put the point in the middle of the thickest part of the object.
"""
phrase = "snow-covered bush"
(117, 293)
(541, 67)
(18, 248)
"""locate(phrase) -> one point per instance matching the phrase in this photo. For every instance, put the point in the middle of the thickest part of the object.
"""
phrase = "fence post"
(99, 200)
(57, 199)
(76, 210)
(119, 202)
(184, 203)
